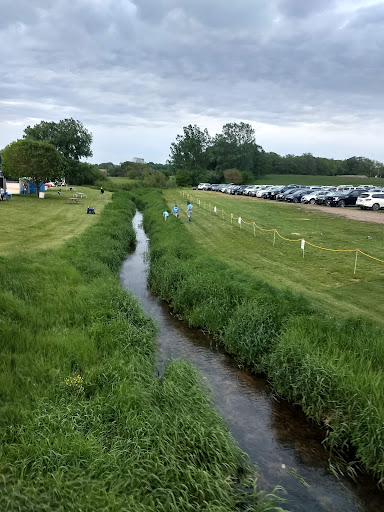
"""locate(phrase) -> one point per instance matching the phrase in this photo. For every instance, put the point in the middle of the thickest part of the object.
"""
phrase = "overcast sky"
(307, 74)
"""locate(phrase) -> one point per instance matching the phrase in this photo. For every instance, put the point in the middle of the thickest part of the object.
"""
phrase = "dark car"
(267, 193)
(324, 198)
(240, 189)
(281, 195)
(277, 190)
(347, 198)
(295, 197)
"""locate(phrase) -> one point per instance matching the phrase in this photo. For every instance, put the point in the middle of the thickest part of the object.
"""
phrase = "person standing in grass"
(175, 210)
(101, 192)
(189, 210)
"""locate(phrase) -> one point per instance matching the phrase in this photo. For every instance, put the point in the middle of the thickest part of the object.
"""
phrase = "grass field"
(84, 423)
(37, 224)
(324, 276)
(318, 349)
(300, 179)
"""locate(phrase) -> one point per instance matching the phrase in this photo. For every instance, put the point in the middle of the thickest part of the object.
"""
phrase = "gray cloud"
(152, 63)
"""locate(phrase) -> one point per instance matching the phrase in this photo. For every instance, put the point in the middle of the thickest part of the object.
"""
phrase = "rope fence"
(302, 241)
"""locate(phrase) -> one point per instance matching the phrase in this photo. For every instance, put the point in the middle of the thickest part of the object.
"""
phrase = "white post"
(274, 237)
(354, 271)
(239, 221)
(215, 209)
(302, 245)
(254, 230)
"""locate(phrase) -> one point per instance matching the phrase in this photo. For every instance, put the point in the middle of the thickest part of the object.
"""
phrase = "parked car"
(372, 200)
(203, 186)
(323, 199)
(310, 197)
(267, 193)
(296, 195)
(262, 190)
(281, 195)
(347, 198)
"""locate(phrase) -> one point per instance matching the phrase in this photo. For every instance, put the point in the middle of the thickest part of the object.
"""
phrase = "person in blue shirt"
(165, 215)
(175, 210)
(189, 210)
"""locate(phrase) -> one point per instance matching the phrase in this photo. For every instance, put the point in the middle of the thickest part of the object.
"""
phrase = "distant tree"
(155, 179)
(37, 160)
(233, 176)
(188, 152)
(236, 148)
(68, 136)
(166, 168)
(247, 177)
(87, 174)
(183, 178)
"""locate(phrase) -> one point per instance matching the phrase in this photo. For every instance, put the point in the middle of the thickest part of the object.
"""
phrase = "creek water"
(276, 435)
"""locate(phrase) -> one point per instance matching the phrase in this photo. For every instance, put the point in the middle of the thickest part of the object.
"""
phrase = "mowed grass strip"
(32, 224)
(324, 276)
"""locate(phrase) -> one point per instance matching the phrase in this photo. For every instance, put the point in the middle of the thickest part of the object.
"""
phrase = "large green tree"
(236, 148)
(37, 160)
(69, 137)
(188, 152)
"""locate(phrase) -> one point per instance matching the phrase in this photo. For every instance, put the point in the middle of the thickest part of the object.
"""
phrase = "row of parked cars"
(366, 196)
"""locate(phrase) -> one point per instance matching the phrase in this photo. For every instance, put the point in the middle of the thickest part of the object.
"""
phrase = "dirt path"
(351, 213)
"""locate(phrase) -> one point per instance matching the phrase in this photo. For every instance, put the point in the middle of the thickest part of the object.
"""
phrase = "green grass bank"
(332, 365)
(84, 423)
(324, 276)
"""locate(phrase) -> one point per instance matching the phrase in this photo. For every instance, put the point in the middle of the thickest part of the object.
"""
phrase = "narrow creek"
(275, 435)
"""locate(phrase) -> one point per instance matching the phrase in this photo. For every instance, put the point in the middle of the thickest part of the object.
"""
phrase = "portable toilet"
(3, 186)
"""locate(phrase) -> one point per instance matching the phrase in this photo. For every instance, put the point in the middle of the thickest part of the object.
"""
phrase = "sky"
(307, 74)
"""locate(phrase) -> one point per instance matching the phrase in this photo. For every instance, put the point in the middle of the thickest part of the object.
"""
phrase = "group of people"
(175, 211)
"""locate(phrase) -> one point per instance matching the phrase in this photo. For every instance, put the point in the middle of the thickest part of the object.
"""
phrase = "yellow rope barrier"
(369, 256)
(299, 239)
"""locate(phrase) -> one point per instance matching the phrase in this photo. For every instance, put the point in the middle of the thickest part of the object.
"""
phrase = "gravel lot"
(352, 213)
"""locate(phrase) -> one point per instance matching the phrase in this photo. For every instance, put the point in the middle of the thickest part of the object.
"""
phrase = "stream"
(275, 434)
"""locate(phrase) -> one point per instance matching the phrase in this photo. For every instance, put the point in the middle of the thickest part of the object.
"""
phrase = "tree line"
(52, 151)
(234, 156)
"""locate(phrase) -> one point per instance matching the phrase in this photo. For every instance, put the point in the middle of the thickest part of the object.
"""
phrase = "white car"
(372, 200)
(261, 191)
(311, 196)
(202, 186)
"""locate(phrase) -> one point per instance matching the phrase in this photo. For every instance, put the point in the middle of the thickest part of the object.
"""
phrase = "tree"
(183, 178)
(188, 152)
(68, 136)
(233, 176)
(37, 160)
(236, 148)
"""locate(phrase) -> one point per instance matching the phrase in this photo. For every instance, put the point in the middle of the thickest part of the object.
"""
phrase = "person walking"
(189, 210)
(59, 191)
(101, 192)
(175, 210)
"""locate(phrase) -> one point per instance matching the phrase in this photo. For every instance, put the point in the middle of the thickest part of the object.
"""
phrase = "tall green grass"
(333, 367)
(84, 424)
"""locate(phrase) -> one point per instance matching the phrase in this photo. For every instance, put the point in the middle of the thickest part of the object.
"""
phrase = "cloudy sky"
(307, 74)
